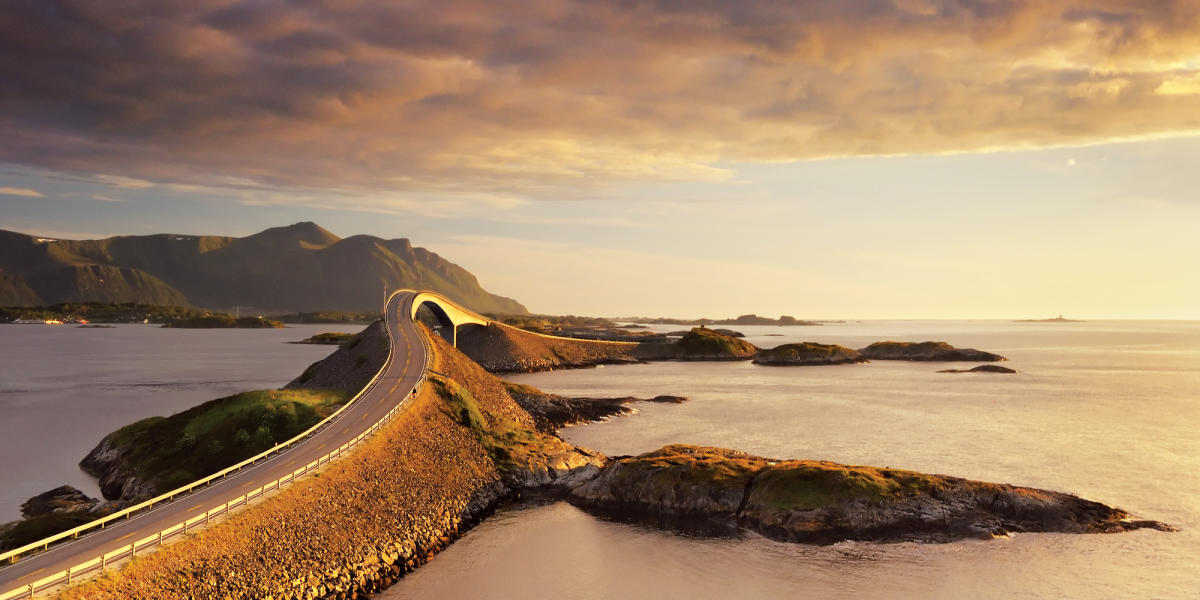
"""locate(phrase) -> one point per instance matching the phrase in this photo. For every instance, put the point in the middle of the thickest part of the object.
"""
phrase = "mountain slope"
(300, 267)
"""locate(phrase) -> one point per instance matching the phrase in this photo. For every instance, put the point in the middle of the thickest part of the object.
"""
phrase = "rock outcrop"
(61, 499)
(823, 502)
(808, 354)
(551, 412)
(981, 369)
(925, 351)
(110, 462)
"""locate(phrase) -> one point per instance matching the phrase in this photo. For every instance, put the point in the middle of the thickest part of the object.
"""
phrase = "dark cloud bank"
(524, 97)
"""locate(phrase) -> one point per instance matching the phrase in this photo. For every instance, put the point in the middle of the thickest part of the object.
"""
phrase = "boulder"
(60, 499)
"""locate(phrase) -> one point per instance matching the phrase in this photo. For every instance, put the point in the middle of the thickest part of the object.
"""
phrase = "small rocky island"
(1058, 319)
(328, 338)
(981, 369)
(224, 322)
(682, 486)
(925, 351)
(807, 354)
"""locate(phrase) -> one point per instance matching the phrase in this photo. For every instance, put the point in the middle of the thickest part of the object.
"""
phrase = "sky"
(852, 159)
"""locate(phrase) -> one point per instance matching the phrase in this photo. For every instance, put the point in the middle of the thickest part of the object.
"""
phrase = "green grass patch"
(682, 464)
(801, 485)
(175, 450)
(507, 442)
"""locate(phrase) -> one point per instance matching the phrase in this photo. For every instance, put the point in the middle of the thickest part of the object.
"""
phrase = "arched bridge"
(448, 314)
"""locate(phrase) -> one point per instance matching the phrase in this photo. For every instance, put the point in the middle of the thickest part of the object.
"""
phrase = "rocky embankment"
(822, 502)
(504, 349)
(552, 412)
(925, 351)
(808, 354)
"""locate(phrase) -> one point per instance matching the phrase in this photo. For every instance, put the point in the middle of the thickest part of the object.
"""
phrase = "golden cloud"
(533, 99)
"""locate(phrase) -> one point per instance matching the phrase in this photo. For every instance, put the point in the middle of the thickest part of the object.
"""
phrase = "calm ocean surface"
(63, 388)
(1106, 410)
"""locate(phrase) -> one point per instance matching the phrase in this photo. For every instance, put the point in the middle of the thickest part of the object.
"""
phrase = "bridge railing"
(101, 562)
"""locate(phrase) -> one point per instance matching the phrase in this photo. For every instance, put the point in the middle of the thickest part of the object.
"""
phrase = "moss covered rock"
(927, 351)
(702, 343)
(824, 502)
(158, 454)
(807, 354)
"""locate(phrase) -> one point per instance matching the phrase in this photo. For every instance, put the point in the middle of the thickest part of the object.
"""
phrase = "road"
(406, 367)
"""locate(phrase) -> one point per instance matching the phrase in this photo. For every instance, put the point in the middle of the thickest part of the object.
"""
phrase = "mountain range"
(300, 267)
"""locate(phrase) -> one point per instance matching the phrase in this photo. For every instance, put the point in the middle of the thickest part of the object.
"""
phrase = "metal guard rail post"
(156, 538)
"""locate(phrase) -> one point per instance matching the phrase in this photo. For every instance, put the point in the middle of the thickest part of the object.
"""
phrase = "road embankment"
(439, 466)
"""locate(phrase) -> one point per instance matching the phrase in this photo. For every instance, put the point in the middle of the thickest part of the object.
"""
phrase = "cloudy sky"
(859, 158)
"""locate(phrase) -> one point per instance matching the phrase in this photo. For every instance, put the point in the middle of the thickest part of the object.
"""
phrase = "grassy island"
(331, 338)
(160, 453)
(824, 502)
(224, 322)
(704, 343)
(808, 353)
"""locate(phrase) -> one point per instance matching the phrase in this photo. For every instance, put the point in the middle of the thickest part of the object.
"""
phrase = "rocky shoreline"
(718, 489)
(552, 412)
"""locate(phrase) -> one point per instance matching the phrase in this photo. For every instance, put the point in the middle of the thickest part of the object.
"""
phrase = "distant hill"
(300, 267)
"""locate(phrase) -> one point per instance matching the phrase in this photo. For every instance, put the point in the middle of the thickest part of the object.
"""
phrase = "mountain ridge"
(293, 268)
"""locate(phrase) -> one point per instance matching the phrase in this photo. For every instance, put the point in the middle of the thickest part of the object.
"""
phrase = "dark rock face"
(925, 351)
(551, 412)
(60, 499)
(118, 481)
(822, 502)
(981, 369)
(807, 354)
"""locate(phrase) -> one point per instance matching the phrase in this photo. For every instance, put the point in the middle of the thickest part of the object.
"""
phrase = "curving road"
(405, 368)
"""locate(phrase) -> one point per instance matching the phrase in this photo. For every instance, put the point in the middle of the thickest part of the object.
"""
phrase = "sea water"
(1106, 410)
(63, 388)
